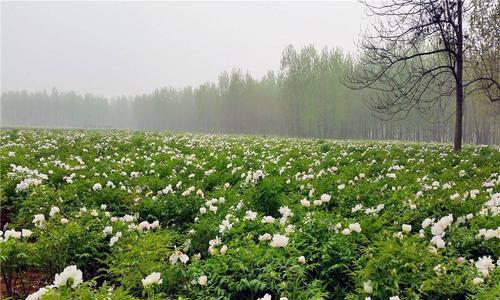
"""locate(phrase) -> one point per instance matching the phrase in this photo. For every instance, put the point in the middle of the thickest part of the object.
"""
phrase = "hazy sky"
(128, 48)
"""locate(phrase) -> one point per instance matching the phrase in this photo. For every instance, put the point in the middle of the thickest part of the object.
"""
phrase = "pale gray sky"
(128, 48)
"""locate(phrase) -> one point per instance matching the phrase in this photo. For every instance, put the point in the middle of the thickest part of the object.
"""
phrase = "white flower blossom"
(53, 210)
(202, 280)
(70, 275)
(266, 297)
(153, 278)
(355, 227)
(250, 215)
(268, 220)
(279, 241)
(97, 187)
(406, 228)
(367, 287)
(265, 237)
(178, 255)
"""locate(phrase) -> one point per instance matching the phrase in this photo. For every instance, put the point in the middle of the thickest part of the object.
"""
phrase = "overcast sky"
(129, 48)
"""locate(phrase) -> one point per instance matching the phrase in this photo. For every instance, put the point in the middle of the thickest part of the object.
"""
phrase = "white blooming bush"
(128, 215)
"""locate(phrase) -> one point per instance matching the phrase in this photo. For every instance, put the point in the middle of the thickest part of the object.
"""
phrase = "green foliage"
(139, 201)
(15, 258)
(266, 196)
(78, 243)
(169, 210)
(139, 255)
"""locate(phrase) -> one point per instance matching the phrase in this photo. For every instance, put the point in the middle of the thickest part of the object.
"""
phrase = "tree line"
(305, 98)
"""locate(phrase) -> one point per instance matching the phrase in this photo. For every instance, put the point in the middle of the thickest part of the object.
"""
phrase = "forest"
(307, 97)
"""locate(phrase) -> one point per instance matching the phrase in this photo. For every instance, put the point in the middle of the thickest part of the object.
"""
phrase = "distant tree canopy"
(419, 52)
(305, 98)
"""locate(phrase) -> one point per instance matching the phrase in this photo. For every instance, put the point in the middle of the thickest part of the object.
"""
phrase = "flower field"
(129, 215)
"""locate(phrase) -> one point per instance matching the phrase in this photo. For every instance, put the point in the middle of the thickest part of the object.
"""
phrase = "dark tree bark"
(459, 90)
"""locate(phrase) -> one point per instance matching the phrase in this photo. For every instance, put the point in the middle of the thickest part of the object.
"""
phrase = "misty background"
(255, 68)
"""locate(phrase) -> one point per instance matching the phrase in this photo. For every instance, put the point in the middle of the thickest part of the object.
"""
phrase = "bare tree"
(417, 52)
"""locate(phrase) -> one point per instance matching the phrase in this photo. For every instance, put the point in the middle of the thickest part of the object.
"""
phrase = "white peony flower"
(367, 287)
(266, 297)
(53, 210)
(346, 231)
(356, 208)
(268, 220)
(438, 241)
(178, 255)
(439, 227)
(12, 233)
(265, 237)
(355, 227)
(489, 233)
(279, 241)
(286, 212)
(202, 280)
(477, 280)
(113, 240)
(97, 187)
(39, 220)
(154, 225)
(128, 218)
(250, 215)
(26, 233)
(406, 228)
(225, 225)
(213, 209)
(108, 230)
(484, 264)
(325, 198)
(215, 241)
(71, 275)
(427, 222)
(317, 202)
(38, 294)
(153, 278)
(143, 226)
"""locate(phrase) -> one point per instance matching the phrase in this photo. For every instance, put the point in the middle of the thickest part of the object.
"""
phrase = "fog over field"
(131, 48)
(246, 67)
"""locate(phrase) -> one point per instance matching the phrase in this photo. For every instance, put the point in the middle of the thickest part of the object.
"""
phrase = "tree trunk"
(457, 142)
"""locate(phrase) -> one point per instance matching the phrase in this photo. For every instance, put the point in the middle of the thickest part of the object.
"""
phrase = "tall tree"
(484, 39)
(416, 54)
